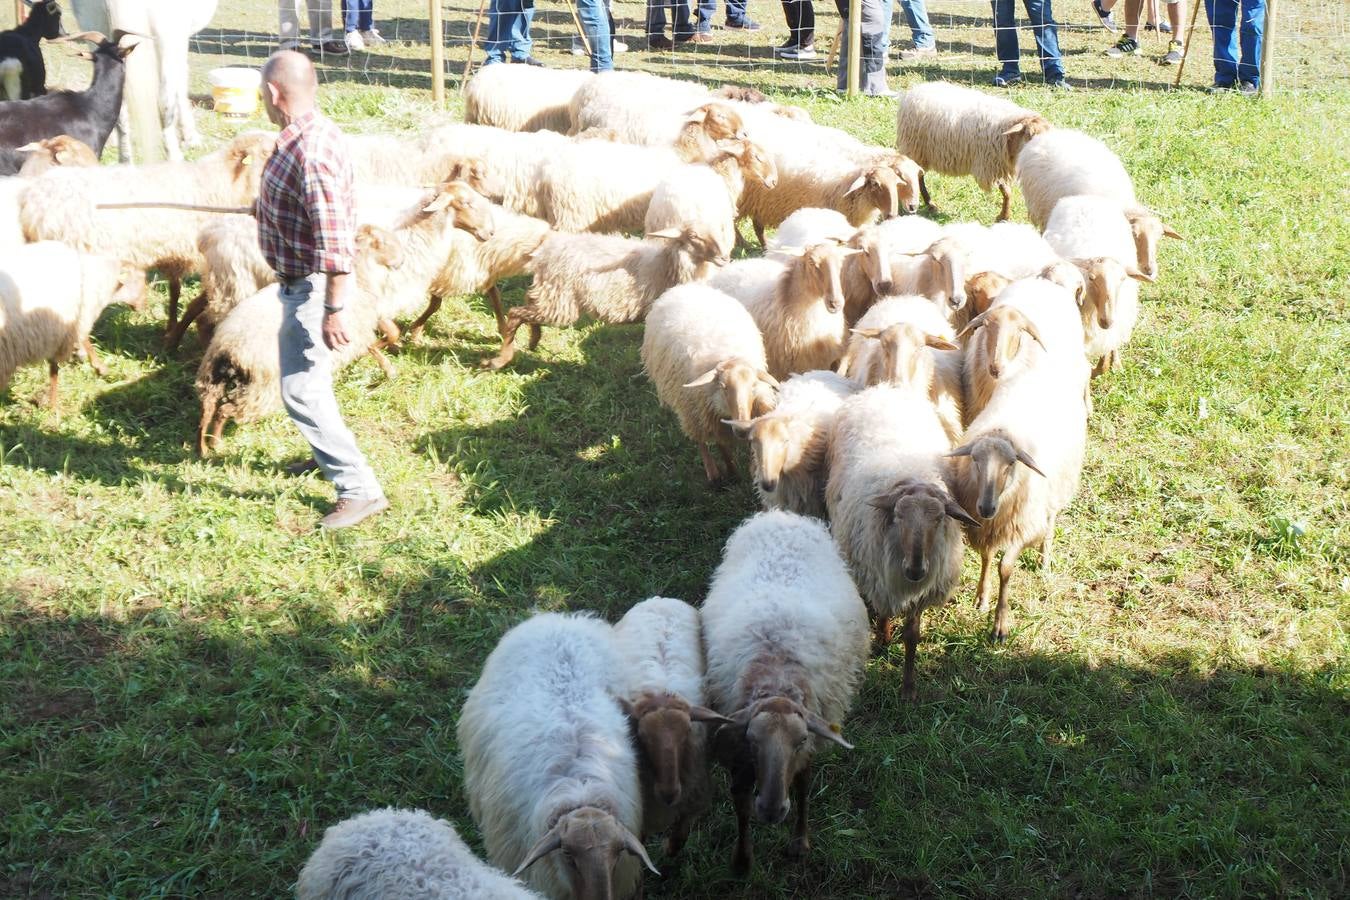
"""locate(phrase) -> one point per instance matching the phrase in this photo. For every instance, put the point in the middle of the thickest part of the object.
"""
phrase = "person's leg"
(1252, 30)
(656, 19)
(367, 18)
(1176, 14)
(887, 15)
(916, 14)
(307, 393)
(521, 44)
(351, 16)
(320, 21)
(1222, 15)
(875, 28)
(498, 31)
(806, 23)
(1047, 38)
(1005, 39)
(683, 19)
(288, 11)
(736, 12)
(595, 23)
(706, 8)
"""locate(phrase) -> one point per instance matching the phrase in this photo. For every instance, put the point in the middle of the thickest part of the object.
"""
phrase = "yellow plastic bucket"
(234, 91)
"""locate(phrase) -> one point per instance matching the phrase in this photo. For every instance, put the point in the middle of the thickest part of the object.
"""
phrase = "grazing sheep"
(886, 346)
(50, 297)
(400, 854)
(956, 130)
(660, 648)
(786, 638)
(1065, 163)
(609, 278)
(239, 377)
(1093, 233)
(705, 355)
(522, 98)
(63, 205)
(938, 273)
(712, 194)
(798, 305)
(548, 761)
(889, 507)
(788, 444)
(1035, 416)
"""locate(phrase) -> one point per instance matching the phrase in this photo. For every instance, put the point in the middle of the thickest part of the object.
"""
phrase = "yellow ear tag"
(247, 160)
(834, 726)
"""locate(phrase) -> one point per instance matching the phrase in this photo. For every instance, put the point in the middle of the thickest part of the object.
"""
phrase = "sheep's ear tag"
(857, 184)
(247, 160)
(836, 728)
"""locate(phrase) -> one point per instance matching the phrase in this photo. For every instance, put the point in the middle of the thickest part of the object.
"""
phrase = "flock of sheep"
(911, 384)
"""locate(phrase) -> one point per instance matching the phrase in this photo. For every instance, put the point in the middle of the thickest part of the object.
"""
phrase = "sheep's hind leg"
(1003, 614)
(759, 233)
(536, 333)
(742, 794)
(495, 296)
(517, 317)
(1048, 545)
(175, 293)
(415, 331)
(173, 334)
(53, 382)
(94, 362)
(1006, 213)
(801, 831)
(908, 692)
(982, 593)
(383, 362)
(710, 467)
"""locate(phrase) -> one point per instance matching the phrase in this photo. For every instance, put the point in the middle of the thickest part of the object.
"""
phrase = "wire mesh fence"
(1311, 46)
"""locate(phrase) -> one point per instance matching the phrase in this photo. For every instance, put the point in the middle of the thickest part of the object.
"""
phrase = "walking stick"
(572, 8)
(189, 207)
(1186, 51)
(473, 45)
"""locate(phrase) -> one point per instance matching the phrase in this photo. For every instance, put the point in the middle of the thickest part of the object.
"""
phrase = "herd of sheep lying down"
(914, 385)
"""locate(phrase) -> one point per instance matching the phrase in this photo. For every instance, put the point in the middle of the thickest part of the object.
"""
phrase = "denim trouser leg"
(736, 12)
(873, 69)
(801, 22)
(358, 15)
(1005, 37)
(1223, 21)
(509, 30)
(1042, 19)
(706, 8)
(595, 23)
(656, 17)
(916, 13)
(887, 13)
(307, 391)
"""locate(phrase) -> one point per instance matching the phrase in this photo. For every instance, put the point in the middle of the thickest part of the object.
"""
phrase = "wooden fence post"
(1268, 49)
(854, 46)
(437, 53)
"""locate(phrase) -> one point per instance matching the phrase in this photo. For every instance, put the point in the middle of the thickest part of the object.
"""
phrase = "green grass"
(195, 683)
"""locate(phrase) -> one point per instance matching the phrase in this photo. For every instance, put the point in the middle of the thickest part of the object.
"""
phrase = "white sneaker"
(373, 38)
(354, 42)
(620, 46)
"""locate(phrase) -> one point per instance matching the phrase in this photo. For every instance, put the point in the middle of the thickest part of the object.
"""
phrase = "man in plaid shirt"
(307, 231)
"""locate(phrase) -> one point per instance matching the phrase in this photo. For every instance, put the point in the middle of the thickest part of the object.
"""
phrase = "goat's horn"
(1025, 459)
(703, 714)
(547, 844)
(95, 37)
(634, 846)
(819, 727)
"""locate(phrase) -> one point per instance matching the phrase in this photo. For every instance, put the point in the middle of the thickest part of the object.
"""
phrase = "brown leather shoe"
(349, 511)
(698, 37)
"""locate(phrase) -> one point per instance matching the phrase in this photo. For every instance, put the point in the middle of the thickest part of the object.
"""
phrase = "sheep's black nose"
(915, 573)
(668, 796)
(885, 288)
(987, 510)
(771, 815)
(768, 485)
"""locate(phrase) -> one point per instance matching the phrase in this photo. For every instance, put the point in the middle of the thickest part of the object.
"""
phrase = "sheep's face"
(1016, 137)
(916, 514)
(874, 248)
(1103, 278)
(130, 287)
(776, 733)
(876, 189)
(945, 281)
(62, 150)
(983, 288)
(476, 174)
(469, 210)
(718, 121)
(779, 445)
(246, 156)
(993, 461)
(902, 357)
(908, 173)
(743, 94)
(380, 246)
(757, 166)
(665, 737)
(1148, 230)
(591, 842)
(823, 265)
(1003, 329)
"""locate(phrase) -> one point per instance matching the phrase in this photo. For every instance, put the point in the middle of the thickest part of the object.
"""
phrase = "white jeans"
(320, 20)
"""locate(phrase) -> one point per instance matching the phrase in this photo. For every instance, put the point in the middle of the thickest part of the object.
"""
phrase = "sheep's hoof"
(494, 363)
(799, 847)
(999, 636)
(982, 604)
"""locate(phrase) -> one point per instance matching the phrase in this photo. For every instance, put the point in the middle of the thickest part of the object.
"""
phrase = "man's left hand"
(334, 332)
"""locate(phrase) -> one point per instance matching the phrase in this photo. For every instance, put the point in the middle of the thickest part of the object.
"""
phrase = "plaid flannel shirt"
(306, 214)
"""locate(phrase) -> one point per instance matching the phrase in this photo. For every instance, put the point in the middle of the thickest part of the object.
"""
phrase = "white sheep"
(599, 186)
(62, 204)
(860, 192)
(788, 444)
(1094, 234)
(1066, 163)
(786, 639)
(956, 130)
(712, 194)
(51, 153)
(522, 98)
(890, 509)
(705, 356)
(1035, 416)
(609, 278)
(872, 273)
(798, 305)
(50, 297)
(652, 111)
(810, 225)
(549, 763)
(400, 854)
(660, 647)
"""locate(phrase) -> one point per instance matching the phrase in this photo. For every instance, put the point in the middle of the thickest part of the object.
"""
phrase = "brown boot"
(349, 511)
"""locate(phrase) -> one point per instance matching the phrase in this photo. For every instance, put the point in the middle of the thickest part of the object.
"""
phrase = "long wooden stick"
(1186, 51)
(188, 207)
(437, 53)
(572, 8)
(1268, 49)
(473, 45)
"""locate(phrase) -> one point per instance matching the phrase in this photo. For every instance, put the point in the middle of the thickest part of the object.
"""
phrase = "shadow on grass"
(158, 754)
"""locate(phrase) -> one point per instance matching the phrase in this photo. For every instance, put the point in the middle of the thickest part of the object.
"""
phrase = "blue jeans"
(916, 13)
(1224, 22)
(736, 13)
(1042, 20)
(307, 391)
(595, 24)
(683, 25)
(509, 30)
(358, 15)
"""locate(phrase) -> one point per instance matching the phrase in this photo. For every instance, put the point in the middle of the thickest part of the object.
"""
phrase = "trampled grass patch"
(196, 684)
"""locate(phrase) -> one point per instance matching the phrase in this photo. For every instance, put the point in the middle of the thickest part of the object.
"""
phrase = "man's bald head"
(290, 85)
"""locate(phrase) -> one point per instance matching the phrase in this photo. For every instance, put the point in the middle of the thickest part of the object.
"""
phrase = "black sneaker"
(1126, 46)
(746, 25)
(1007, 79)
(660, 42)
(1248, 89)
(1108, 21)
